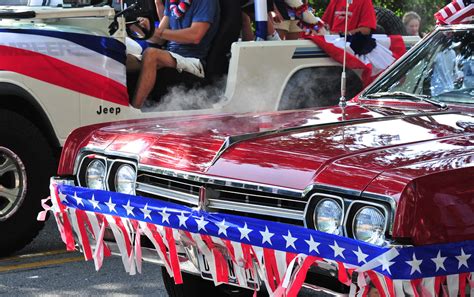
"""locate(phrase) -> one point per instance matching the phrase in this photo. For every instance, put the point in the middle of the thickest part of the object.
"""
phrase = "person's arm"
(363, 30)
(160, 8)
(157, 36)
(366, 18)
(191, 35)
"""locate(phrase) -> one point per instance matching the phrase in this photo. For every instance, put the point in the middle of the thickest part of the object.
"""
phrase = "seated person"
(444, 72)
(294, 17)
(189, 27)
(361, 17)
(248, 9)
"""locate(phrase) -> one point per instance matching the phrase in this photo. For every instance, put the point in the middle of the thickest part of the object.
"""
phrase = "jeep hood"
(294, 149)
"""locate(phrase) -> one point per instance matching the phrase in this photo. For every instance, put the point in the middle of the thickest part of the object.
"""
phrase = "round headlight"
(328, 216)
(95, 175)
(125, 180)
(369, 225)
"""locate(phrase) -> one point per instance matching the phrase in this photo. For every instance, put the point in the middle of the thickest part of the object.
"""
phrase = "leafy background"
(425, 8)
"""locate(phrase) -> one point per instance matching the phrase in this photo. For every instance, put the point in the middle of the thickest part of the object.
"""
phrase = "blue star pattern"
(402, 263)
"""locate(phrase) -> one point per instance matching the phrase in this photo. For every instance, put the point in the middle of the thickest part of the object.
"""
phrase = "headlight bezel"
(351, 202)
(112, 164)
(377, 208)
(313, 202)
(103, 175)
(114, 175)
(340, 209)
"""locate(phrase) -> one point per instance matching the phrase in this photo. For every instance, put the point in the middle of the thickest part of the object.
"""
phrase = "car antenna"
(342, 100)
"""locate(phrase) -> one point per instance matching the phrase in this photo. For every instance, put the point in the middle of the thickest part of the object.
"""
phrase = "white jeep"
(60, 68)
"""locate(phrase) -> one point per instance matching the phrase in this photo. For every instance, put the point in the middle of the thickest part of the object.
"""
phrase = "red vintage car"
(393, 167)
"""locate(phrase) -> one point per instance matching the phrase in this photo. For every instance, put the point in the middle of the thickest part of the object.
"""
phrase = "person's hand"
(144, 23)
(276, 16)
(321, 31)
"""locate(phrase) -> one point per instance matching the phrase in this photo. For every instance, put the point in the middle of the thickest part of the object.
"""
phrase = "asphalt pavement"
(45, 268)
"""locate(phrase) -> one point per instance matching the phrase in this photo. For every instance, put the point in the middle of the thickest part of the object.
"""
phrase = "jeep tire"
(195, 286)
(26, 163)
(388, 22)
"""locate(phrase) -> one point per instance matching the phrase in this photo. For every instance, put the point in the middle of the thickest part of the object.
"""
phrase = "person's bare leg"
(282, 33)
(133, 64)
(153, 59)
(293, 35)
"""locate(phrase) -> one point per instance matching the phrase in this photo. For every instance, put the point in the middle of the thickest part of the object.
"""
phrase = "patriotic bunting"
(388, 48)
(87, 64)
(277, 254)
(456, 12)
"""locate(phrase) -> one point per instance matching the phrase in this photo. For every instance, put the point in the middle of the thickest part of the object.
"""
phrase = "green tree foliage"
(425, 8)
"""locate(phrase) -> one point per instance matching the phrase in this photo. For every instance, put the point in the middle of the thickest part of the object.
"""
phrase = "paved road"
(44, 268)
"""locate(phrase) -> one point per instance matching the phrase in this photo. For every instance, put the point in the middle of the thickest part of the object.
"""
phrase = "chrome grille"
(222, 198)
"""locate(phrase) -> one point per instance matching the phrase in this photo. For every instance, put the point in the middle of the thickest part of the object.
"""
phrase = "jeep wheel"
(195, 286)
(389, 22)
(26, 163)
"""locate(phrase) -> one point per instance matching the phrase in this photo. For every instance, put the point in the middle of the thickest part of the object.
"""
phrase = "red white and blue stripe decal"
(87, 64)
(280, 254)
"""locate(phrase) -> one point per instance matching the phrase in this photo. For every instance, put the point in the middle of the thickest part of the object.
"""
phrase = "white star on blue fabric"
(385, 264)
(244, 232)
(222, 228)
(202, 224)
(313, 245)
(439, 261)
(165, 217)
(111, 205)
(146, 212)
(463, 259)
(182, 219)
(290, 240)
(361, 257)
(266, 236)
(338, 251)
(95, 203)
(129, 209)
(78, 199)
(415, 264)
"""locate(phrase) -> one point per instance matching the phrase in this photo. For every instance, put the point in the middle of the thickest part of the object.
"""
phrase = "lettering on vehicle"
(108, 110)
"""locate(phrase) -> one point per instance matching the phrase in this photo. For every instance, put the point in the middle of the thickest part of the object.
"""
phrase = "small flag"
(456, 12)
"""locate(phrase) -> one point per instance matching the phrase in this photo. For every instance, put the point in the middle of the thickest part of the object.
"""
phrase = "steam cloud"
(181, 97)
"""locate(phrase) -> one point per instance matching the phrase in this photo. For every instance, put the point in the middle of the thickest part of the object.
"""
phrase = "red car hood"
(293, 149)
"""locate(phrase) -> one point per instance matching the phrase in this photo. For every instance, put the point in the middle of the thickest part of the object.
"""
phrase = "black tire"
(195, 286)
(22, 142)
(391, 24)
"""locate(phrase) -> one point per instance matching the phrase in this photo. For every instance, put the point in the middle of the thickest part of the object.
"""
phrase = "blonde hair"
(409, 16)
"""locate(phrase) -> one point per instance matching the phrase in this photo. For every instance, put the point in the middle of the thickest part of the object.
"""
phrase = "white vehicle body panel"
(258, 72)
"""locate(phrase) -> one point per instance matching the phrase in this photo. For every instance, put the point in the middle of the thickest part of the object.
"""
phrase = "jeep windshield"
(441, 70)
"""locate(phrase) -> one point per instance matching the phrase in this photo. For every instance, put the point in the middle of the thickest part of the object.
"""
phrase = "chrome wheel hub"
(12, 183)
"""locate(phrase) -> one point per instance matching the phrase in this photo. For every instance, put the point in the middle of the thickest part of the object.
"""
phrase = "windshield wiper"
(424, 98)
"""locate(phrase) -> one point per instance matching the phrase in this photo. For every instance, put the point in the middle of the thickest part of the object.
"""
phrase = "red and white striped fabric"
(456, 12)
(387, 51)
(282, 271)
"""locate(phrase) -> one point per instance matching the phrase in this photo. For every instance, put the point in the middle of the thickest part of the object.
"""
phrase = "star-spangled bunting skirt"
(278, 254)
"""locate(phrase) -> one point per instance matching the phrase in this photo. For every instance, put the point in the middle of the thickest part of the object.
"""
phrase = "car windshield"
(442, 69)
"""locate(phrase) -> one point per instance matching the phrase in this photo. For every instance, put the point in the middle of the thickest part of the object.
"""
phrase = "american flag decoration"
(388, 48)
(277, 254)
(456, 12)
(95, 65)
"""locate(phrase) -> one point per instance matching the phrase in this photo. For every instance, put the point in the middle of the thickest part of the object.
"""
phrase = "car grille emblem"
(203, 202)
